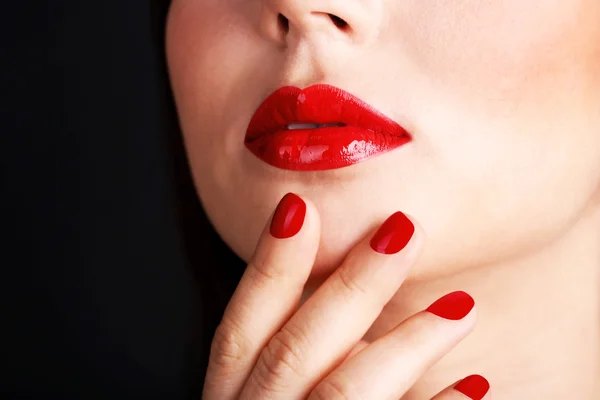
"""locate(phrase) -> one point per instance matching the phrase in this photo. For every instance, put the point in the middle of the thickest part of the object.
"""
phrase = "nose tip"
(353, 19)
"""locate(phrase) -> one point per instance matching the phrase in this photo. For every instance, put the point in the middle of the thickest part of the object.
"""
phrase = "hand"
(267, 348)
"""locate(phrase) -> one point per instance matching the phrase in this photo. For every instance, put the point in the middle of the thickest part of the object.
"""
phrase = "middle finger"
(322, 332)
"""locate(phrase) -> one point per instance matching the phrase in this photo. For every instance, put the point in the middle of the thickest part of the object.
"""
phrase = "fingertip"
(288, 218)
(475, 387)
(398, 233)
(292, 215)
(312, 223)
(417, 242)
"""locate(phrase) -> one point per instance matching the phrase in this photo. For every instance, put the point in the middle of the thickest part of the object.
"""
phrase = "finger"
(357, 349)
(266, 296)
(323, 331)
(389, 367)
(473, 387)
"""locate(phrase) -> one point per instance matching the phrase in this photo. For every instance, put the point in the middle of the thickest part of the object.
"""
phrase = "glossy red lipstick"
(319, 128)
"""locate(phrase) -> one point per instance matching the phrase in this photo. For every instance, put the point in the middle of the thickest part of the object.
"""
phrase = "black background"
(96, 295)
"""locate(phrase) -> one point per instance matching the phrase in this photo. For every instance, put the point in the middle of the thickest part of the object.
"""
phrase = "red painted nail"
(474, 386)
(455, 306)
(393, 235)
(288, 217)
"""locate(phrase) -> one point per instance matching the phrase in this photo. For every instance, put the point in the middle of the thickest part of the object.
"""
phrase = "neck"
(538, 331)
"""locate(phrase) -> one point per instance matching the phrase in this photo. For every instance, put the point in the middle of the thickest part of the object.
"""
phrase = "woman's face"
(502, 98)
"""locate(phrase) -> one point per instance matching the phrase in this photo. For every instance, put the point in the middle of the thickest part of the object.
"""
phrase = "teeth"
(313, 126)
(302, 126)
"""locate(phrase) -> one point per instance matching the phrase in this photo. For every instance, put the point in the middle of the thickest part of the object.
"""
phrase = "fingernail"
(393, 235)
(288, 217)
(455, 306)
(475, 387)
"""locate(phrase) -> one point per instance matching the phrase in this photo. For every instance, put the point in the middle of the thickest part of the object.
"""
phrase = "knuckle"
(280, 361)
(228, 346)
(335, 388)
(261, 271)
(351, 282)
(421, 330)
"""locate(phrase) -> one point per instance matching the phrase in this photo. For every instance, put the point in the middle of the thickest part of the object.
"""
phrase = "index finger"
(266, 296)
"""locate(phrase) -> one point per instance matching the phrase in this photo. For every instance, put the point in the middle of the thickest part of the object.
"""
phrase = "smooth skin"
(502, 98)
(267, 347)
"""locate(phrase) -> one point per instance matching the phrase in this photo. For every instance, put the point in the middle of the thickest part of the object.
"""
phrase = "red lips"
(346, 130)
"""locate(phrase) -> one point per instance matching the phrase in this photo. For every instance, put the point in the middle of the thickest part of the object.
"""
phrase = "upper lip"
(318, 104)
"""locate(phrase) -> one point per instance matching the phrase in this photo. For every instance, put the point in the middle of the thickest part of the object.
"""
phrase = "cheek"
(217, 72)
(204, 50)
(514, 94)
(208, 60)
(506, 53)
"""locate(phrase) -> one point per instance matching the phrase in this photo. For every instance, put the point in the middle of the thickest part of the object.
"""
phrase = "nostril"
(283, 22)
(340, 23)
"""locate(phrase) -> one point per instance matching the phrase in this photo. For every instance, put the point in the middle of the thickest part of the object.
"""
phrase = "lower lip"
(323, 148)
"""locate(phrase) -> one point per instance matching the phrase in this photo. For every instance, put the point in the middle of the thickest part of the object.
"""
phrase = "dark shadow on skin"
(216, 268)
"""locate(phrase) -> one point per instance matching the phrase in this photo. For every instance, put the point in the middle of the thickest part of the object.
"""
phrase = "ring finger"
(389, 367)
